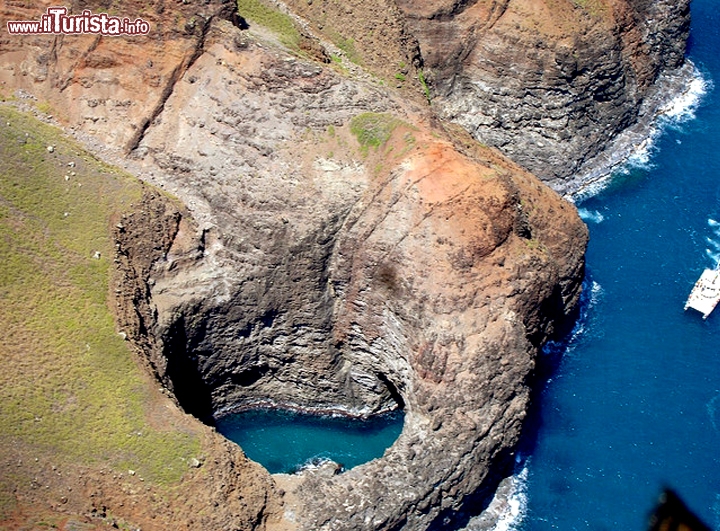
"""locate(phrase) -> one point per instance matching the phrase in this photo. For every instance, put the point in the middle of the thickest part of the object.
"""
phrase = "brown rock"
(305, 270)
(412, 276)
(550, 83)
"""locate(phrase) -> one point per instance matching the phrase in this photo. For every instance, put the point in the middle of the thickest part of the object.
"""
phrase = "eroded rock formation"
(551, 86)
(334, 246)
(329, 280)
(550, 83)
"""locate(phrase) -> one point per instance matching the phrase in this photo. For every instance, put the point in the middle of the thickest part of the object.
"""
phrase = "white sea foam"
(591, 215)
(712, 243)
(715, 226)
(683, 107)
(591, 295)
(508, 509)
(596, 292)
(641, 157)
(515, 510)
(318, 462)
(676, 112)
(714, 257)
(713, 249)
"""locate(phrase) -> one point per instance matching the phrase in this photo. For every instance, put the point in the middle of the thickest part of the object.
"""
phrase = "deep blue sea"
(633, 403)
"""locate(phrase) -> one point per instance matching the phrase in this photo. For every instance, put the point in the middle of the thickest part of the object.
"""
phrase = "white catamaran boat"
(705, 295)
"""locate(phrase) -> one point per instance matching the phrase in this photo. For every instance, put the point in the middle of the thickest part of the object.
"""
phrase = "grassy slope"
(69, 387)
(280, 23)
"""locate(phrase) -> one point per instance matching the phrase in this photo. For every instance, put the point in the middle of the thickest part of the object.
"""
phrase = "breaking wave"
(590, 216)
(592, 293)
(683, 107)
(508, 509)
(676, 112)
(672, 115)
(516, 508)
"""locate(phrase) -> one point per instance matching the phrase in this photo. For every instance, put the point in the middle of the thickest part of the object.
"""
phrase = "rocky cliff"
(549, 82)
(334, 276)
(552, 83)
(335, 246)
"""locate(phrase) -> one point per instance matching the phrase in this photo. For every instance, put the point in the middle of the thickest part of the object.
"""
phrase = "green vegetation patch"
(594, 7)
(279, 23)
(70, 388)
(347, 45)
(372, 130)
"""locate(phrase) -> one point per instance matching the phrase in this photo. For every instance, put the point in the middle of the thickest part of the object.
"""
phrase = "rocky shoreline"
(332, 244)
(674, 87)
(276, 405)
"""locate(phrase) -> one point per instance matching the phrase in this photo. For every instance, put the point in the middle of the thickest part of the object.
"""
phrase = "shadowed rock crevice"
(191, 390)
(175, 76)
(475, 503)
(267, 341)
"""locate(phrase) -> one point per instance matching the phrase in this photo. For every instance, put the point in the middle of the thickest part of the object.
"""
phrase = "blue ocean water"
(633, 403)
(284, 441)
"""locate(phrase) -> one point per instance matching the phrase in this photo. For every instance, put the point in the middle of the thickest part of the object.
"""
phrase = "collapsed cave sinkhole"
(288, 441)
(275, 334)
(281, 391)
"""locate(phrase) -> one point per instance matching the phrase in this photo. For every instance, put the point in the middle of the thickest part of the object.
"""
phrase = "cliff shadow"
(547, 366)
(191, 391)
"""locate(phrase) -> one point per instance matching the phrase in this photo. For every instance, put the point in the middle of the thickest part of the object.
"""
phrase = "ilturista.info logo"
(57, 22)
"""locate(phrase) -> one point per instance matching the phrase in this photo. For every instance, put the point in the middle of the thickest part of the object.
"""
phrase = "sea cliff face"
(411, 275)
(335, 246)
(550, 83)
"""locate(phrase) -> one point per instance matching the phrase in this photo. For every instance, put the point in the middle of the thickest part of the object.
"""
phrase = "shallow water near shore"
(284, 441)
(633, 403)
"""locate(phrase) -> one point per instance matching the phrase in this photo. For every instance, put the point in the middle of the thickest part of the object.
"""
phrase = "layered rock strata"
(334, 248)
(550, 83)
(326, 276)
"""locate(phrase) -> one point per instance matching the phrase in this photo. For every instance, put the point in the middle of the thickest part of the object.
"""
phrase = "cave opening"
(274, 355)
(319, 406)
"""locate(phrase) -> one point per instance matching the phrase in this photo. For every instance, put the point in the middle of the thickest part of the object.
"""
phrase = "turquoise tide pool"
(283, 441)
